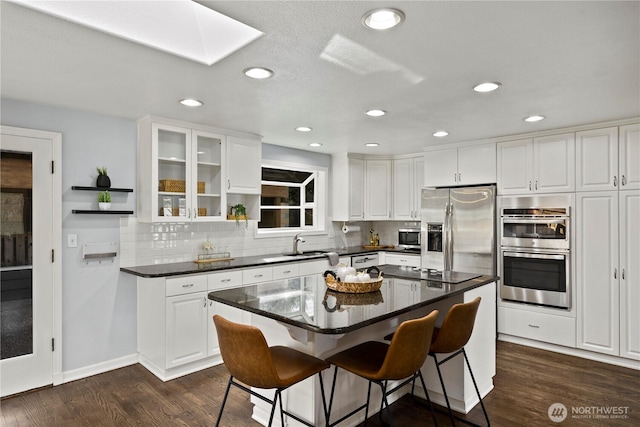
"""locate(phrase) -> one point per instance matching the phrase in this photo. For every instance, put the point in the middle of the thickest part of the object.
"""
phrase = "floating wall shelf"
(97, 212)
(114, 190)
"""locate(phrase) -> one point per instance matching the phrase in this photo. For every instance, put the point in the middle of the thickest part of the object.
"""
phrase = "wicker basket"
(172, 185)
(345, 300)
(335, 284)
(177, 186)
(202, 211)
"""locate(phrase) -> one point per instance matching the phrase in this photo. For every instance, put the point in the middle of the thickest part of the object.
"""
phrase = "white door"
(27, 188)
(186, 328)
(515, 170)
(554, 163)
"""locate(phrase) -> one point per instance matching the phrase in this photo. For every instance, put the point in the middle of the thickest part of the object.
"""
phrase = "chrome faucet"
(297, 239)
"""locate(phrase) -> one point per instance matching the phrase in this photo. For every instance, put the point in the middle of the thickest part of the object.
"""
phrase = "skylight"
(180, 27)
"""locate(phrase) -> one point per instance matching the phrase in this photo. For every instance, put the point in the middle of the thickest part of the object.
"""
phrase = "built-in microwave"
(409, 238)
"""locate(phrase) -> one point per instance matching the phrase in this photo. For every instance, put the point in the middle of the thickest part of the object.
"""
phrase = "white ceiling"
(573, 62)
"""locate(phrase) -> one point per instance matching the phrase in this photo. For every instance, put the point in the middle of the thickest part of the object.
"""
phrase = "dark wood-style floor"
(527, 382)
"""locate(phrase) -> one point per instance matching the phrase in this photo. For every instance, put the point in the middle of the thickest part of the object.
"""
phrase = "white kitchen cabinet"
(607, 276)
(468, 165)
(244, 165)
(545, 327)
(185, 172)
(347, 185)
(180, 173)
(406, 260)
(186, 326)
(540, 165)
(629, 162)
(378, 187)
(408, 180)
(597, 160)
(608, 159)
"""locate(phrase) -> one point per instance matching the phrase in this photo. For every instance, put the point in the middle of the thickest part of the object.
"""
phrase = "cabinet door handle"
(534, 326)
(536, 184)
(455, 177)
(205, 302)
(615, 273)
(225, 280)
(189, 285)
(459, 177)
(615, 181)
(623, 274)
(623, 180)
(195, 212)
(189, 212)
(228, 184)
(529, 185)
(257, 275)
(286, 272)
(210, 303)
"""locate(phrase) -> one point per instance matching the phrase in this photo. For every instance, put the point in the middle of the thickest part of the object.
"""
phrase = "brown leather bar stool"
(251, 361)
(451, 337)
(379, 362)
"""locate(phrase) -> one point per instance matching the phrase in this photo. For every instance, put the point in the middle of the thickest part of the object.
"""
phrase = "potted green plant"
(240, 212)
(104, 200)
(103, 180)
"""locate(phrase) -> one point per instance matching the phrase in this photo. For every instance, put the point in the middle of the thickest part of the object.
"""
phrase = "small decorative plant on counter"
(103, 180)
(240, 212)
(104, 200)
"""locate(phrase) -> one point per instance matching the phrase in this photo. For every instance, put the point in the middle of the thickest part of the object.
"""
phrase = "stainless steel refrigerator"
(458, 229)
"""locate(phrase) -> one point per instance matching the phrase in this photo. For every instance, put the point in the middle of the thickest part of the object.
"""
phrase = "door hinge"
(52, 167)
(53, 256)
(53, 345)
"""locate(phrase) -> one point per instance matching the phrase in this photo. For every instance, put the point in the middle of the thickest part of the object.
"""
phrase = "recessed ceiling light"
(487, 87)
(258, 73)
(440, 133)
(315, 144)
(382, 19)
(535, 118)
(371, 144)
(376, 113)
(189, 102)
(304, 129)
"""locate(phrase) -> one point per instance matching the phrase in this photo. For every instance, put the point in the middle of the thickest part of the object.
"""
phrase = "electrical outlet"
(72, 240)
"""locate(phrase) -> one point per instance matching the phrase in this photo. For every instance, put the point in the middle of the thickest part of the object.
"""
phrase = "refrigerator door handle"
(448, 244)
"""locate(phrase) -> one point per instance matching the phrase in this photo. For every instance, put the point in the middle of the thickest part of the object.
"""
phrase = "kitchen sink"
(304, 254)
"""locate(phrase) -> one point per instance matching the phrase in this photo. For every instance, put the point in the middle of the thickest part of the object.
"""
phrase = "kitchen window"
(292, 199)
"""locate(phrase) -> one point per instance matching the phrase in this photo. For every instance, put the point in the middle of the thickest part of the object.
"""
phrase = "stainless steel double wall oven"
(535, 249)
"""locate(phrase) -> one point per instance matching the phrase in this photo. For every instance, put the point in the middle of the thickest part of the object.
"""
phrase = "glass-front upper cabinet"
(208, 175)
(181, 170)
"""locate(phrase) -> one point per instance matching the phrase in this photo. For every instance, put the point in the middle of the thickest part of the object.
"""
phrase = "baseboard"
(585, 354)
(99, 368)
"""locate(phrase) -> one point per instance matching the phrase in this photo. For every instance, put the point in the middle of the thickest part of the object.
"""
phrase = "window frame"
(320, 208)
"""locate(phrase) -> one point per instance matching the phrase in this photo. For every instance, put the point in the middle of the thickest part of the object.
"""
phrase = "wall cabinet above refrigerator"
(465, 165)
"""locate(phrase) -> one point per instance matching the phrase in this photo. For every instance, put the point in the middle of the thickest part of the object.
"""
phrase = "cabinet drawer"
(537, 326)
(186, 285)
(224, 279)
(285, 271)
(407, 260)
(256, 275)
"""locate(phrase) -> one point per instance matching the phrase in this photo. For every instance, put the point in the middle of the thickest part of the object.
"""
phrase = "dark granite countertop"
(180, 268)
(307, 303)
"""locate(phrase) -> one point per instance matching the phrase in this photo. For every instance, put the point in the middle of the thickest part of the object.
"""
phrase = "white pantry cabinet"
(408, 180)
(468, 165)
(377, 187)
(608, 272)
(347, 185)
(608, 159)
(539, 165)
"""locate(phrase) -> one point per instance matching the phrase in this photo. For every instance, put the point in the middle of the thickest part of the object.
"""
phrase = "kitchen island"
(303, 314)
